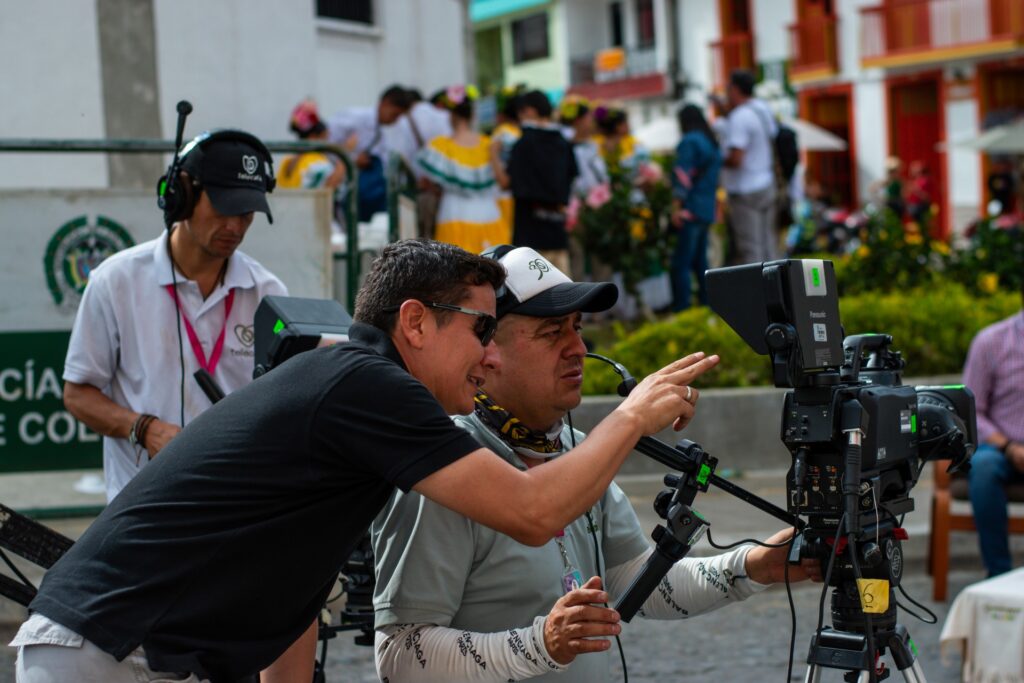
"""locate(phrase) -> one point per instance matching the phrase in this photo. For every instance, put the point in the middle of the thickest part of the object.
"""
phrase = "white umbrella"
(659, 135)
(1008, 139)
(813, 138)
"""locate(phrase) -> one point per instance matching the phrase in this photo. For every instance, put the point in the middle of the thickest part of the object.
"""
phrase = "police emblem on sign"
(75, 250)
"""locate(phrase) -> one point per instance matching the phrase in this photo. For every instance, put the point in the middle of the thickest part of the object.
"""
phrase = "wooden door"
(915, 128)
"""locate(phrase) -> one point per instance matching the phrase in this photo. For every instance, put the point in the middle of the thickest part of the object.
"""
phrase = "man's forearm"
(426, 653)
(694, 585)
(99, 413)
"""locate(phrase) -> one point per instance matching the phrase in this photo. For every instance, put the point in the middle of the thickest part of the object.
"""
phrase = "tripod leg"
(813, 674)
(904, 655)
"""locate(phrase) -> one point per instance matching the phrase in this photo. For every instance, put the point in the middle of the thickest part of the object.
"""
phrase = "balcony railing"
(910, 29)
(813, 48)
(732, 52)
(612, 64)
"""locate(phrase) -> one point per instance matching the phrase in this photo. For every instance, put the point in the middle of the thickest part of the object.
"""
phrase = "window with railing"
(813, 45)
(907, 26)
(644, 23)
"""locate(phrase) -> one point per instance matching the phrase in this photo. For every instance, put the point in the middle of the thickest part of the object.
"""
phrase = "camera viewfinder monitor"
(789, 306)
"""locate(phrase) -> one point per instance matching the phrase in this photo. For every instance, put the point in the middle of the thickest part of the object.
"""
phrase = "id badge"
(572, 579)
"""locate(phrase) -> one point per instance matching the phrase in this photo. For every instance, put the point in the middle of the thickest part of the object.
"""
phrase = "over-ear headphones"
(177, 197)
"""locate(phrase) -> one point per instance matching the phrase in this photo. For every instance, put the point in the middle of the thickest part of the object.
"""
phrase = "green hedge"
(932, 327)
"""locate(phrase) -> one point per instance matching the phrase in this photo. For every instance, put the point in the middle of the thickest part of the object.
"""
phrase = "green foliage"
(625, 224)
(932, 326)
(892, 256)
(993, 259)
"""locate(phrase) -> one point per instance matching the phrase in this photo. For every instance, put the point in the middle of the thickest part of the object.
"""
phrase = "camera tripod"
(833, 649)
(857, 639)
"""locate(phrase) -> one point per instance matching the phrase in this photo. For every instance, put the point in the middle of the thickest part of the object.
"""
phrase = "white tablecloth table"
(986, 623)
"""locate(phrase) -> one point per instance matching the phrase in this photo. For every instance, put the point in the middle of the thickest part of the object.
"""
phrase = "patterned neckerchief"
(512, 431)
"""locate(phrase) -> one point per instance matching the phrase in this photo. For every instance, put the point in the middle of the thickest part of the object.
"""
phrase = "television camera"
(858, 439)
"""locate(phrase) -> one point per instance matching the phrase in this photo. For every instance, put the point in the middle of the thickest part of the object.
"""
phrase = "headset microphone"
(627, 384)
(167, 182)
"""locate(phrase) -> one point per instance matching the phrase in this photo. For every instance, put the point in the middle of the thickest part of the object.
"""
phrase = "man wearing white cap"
(455, 600)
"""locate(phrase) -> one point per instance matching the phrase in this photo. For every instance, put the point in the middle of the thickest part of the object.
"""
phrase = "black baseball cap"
(232, 171)
(536, 288)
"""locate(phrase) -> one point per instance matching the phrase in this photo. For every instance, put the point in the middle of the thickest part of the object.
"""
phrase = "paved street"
(747, 642)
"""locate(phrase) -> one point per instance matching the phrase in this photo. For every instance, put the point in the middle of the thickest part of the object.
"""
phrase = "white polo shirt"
(125, 340)
(751, 128)
(360, 122)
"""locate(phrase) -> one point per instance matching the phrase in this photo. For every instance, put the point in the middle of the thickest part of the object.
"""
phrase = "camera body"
(841, 388)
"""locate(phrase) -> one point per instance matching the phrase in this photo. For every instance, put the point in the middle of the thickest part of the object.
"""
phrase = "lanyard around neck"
(209, 365)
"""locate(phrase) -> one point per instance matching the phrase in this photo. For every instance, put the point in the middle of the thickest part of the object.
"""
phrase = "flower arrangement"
(624, 224)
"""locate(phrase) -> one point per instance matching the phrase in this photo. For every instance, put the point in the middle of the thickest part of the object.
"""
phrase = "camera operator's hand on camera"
(666, 395)
(572, 626)
(159, 435)
(768, 565)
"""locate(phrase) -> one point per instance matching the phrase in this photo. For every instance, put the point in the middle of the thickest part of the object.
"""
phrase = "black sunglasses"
(484, 328)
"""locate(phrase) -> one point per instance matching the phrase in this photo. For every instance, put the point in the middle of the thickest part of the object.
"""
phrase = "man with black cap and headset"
(456, 601)
(154, 314)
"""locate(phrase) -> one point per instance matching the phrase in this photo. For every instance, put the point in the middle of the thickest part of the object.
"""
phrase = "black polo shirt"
(221, 552)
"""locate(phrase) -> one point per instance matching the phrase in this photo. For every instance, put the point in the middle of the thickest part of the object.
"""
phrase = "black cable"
(745, 541)
(14, 569)
(177, 310)
(930, 613)
(597, 557)
(792, 608)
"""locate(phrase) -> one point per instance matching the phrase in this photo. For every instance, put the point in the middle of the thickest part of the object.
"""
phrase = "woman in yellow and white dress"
(503, 138)
(460, 164)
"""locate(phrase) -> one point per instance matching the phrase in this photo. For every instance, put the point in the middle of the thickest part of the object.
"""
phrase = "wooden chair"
(947, 489)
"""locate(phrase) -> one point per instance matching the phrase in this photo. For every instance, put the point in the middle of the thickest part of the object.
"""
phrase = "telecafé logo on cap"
(541, 265)
(250, 163)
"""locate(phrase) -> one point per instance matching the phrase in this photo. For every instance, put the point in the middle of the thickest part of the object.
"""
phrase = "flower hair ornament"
(455, 95)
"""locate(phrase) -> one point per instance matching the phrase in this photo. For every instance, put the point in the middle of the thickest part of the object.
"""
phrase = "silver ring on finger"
(689, 393)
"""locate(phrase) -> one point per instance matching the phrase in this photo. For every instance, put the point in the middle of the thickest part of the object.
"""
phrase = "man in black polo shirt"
(266, 493)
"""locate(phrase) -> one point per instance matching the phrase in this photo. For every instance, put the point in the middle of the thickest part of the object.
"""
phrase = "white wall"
(771, 37)
(242, 63)
(50, 84)
(698, 27)
(588, 27)
(872, 131)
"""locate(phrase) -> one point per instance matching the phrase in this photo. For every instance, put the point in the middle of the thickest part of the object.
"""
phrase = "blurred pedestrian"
(359, 130)
(422, 123)
(919, 194)
(309, 170)
(503, 138)
(541, 170)
(460, 165)
(694, 186)
(749, 175)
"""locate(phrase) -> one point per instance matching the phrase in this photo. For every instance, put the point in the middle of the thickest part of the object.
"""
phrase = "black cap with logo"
(233, 173)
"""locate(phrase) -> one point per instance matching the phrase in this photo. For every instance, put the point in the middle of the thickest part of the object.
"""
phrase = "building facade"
(893, 78)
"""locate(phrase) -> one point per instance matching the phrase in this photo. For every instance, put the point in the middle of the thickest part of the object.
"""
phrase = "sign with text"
(36, 430)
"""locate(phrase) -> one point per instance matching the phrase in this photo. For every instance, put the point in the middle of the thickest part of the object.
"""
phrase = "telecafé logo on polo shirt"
(250, 163)
(539, 265)
(245, 334)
